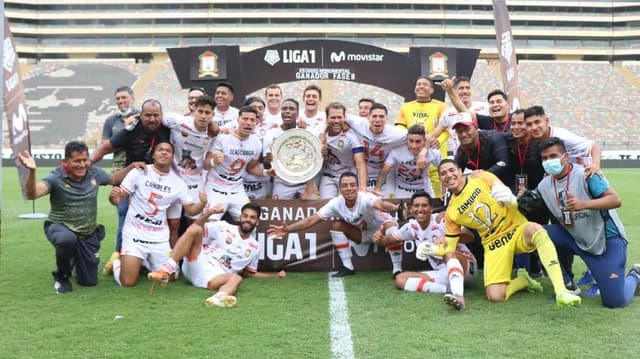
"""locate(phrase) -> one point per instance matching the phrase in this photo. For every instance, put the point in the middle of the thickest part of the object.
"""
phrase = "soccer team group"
(514, 187)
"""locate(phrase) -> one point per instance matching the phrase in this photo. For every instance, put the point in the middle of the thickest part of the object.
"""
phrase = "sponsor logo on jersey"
(502, 241)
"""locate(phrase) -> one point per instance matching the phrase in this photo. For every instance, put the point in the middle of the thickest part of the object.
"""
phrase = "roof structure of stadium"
(543, 30)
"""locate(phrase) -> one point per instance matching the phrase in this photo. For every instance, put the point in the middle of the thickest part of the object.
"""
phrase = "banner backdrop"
(311, 250)
(507, 53)
(15, 104)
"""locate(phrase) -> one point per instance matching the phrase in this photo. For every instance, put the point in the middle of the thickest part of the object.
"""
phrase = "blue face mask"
(552, 166)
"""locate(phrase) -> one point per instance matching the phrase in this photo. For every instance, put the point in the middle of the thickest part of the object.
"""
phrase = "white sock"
(456, 277)
(169, 266)
(341, 243)
(116, 271)
(395, 253)
(415, 284)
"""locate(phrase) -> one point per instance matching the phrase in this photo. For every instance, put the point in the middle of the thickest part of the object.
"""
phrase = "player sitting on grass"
(449, 272)
(218, 255)
(481, 202)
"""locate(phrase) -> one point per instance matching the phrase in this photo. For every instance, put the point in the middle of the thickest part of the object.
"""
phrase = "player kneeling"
(218, 255)
(449, 272)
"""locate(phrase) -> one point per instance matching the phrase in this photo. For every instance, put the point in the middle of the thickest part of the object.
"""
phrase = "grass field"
(290, 317)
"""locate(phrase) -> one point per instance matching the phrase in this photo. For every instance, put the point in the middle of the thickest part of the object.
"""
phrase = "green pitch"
(288, 318)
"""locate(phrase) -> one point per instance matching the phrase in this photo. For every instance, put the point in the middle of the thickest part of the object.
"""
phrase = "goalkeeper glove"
(426, 249)
(502, 194)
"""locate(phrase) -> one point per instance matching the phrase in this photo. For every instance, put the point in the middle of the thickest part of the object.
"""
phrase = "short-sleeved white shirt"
(362, 214)
(150, 195)
(237, 154)
(223, 245)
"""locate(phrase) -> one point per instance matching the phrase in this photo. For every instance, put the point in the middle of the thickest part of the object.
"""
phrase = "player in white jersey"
(145, 232)
(231, 156)
(273, 97)
(378, 139)
(402, 163)
(462, 86)
(281, 188)
(224, 112)
(448, 273)
(218, 255)
(344, 153)
(580, 150)
(361, 215)
(312, 118)
(191, 140)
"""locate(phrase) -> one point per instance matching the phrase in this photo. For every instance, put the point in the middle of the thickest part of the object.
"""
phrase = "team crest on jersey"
(184, 133)
(340, 144)
(247, 253)
(228, 240)
(94, 182)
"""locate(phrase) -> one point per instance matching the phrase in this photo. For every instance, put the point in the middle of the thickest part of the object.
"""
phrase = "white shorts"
(232, 201)
(194, 186)
(257, 189)
(329, 187)
(387, 187)
(403, 191)
(468, 262)
(282, 190)
(200, 271)
(153, 254)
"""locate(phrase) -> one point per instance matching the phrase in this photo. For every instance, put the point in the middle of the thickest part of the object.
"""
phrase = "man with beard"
(146, 233)
(232, 156)
(218, 255)
(361, 215)
(224, 112)
(137, 141)
(117, 121)
(344, 153)
(283, 189)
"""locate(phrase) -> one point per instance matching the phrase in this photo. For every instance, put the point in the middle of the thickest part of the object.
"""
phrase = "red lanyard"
(555, 189)
(522, 156)
(476, 164)
(504, 127)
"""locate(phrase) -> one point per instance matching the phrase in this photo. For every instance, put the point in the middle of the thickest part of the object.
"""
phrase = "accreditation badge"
(567, 217)
(521, 182)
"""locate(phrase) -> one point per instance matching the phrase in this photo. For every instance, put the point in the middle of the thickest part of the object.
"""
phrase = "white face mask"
(126, 112)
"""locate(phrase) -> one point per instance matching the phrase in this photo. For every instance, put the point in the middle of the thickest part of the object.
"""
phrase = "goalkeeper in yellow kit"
(481, 202)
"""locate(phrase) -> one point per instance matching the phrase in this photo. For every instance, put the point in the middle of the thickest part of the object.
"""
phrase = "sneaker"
(226, 301)
(635, 270)
(534, 285)
(108, 267)
(594, 291)
(159, 275)
(453, 301)
(567, 299)
(586, 279)
(62, 284)
(343, 273)
(573, 288)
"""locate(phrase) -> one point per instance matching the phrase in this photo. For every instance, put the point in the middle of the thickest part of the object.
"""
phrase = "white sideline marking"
(340, 331)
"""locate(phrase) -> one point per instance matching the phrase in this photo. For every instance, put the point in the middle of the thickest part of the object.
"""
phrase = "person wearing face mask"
(583, 208)
(117, 121)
